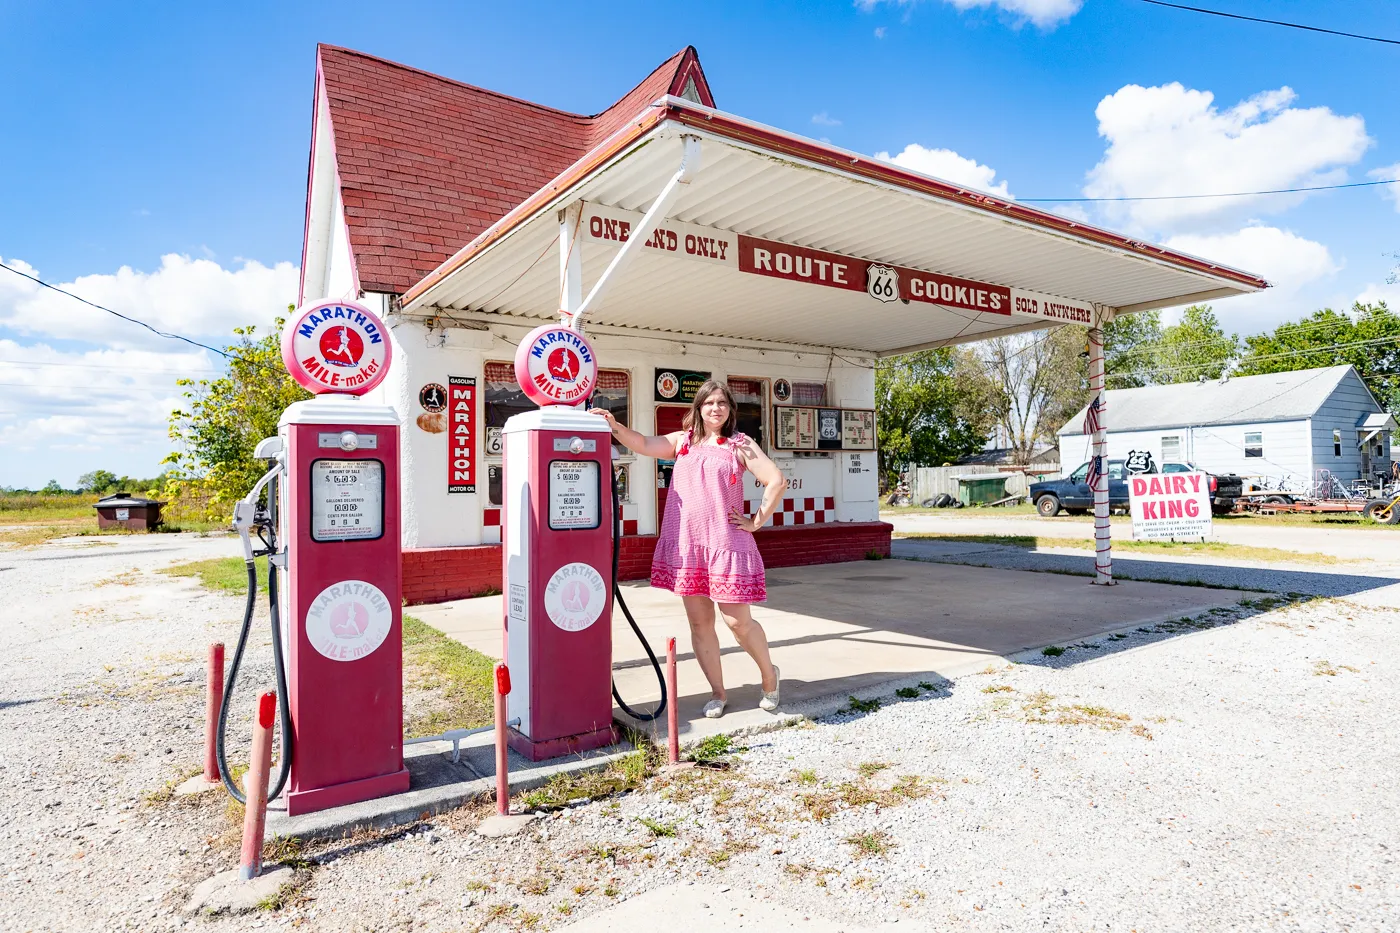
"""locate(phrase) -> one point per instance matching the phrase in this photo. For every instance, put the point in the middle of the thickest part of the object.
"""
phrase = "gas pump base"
(568, 745)
(323, 798)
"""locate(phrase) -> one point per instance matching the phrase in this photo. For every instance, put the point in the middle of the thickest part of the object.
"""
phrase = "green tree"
(98, 481)
(223, 419)
(53, 488)
(1368, 338)
(1130, 346)
(922, 411)
(1139, 351)
(1029, 384)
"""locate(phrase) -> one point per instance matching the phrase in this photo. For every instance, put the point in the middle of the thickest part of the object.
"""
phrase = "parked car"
(1072, 493)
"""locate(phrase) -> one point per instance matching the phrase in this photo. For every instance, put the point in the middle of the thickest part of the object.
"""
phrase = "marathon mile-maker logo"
(336, 346)
(349, 620)
(556, 366)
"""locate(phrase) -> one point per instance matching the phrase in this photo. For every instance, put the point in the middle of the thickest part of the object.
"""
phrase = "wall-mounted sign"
(1169, 506)
(802, 428)
(678, 385)
(432, 397)
(336, 346)
(461, 439)
(881, 281)
(556, 366)
(782, 390)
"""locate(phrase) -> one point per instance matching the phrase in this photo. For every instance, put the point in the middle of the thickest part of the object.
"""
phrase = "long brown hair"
(692, 417)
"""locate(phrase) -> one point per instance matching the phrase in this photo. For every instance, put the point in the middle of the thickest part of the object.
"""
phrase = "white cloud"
(1375, 292)
(879, 32)
(194, 297)
(1289, 263)
(1171, 140)
(825, 119)
(947, 165)
(1043, 13)
(1388, 173)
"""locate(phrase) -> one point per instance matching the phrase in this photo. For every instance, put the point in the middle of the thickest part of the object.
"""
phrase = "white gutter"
(690, 163)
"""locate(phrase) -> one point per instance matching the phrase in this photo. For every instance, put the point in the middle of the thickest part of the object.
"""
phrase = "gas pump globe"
(557, 526)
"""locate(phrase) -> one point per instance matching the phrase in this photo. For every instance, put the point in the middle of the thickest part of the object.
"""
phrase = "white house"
(1280, 429)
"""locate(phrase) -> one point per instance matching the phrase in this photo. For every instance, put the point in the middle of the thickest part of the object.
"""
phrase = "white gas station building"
(694, 244)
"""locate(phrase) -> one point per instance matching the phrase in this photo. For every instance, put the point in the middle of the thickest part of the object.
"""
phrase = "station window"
(614, 393)
(504, 399)
(1171, 448)
(751, 405)
(1336, 442)
(1253, 444)
(809, 394)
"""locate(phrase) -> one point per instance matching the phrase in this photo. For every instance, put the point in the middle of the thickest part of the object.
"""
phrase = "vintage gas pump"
(332, 527)
(557, 536)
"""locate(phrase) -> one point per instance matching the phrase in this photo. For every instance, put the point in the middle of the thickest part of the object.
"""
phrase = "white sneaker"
(714, 709)
(769, 703)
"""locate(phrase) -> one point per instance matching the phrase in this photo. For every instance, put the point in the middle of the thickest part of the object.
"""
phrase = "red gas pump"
(332, 526)
(557, 539)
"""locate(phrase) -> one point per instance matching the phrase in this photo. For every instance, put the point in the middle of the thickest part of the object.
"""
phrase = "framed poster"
(678, 385)
(828, 429)
(857, 429)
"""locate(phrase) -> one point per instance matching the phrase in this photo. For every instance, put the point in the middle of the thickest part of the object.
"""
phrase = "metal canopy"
(758, 182)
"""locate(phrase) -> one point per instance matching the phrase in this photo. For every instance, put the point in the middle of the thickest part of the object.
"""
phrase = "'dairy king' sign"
(1174, 505)
(336, 346)
(556, 365)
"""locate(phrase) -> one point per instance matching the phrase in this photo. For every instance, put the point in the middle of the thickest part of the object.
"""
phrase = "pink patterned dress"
(699, 553)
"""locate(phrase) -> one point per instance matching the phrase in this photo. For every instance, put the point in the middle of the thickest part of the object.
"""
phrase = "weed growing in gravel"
(527, 920)
(1324, 668)
(713, 749)
(907, 693)
(1052, 651)
(611, 891)
(583, 890)
(289, 851)
(872, 843)
(806, 776)
(658, 828)
(871, 768)
(863, 706)
(620, 776)
(998, 688)
(925, 685)
(535, 884)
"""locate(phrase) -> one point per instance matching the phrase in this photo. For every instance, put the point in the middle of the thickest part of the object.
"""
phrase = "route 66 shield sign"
(882, 283)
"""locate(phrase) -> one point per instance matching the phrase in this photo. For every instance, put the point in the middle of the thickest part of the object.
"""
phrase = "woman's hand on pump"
(662, 448)
(606, 416)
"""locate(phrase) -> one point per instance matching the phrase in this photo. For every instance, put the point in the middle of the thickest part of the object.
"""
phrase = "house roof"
(426, 163)
(1241, 399)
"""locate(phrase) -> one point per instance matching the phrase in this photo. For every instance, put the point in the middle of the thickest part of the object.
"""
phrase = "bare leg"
(704, 641)
(751, 637)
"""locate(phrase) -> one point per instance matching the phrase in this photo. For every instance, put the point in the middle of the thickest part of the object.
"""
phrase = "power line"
(1228, 194)
(1272, 22)
(124, 369)
(139, 323)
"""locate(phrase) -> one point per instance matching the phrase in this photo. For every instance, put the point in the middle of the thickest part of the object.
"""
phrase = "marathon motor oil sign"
(1171, 506)
(461, 434)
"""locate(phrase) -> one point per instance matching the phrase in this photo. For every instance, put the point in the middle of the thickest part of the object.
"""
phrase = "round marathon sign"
(556, 366)
(336, 346)
(349, 620)
(575, 596)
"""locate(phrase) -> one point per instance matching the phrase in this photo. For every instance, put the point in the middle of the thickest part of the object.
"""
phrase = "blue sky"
(156, 155)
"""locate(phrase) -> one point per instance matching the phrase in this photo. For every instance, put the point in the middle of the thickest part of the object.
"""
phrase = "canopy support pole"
(1098, 424)
(570, 262)
(690, 162)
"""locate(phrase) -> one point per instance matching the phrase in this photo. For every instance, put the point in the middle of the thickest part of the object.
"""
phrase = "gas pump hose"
(617, 595)
(284, 763)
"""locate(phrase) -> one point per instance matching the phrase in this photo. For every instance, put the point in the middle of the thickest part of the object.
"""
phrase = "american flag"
(1095, 471)
(1091, 416)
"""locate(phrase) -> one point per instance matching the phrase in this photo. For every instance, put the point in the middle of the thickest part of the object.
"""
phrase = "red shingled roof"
(427, 163)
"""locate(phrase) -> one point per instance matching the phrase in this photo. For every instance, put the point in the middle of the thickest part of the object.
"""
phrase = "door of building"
(668, 419)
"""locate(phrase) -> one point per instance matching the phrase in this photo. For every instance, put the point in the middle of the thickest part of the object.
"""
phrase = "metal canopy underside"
(745, 189)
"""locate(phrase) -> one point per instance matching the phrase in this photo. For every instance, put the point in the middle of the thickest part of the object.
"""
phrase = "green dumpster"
(981, 488)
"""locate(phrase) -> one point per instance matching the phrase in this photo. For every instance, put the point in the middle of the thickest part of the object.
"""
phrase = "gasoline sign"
(556, 366)
(336, 346)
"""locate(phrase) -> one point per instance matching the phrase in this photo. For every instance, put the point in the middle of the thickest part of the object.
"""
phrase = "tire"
(1047, 506)
(943, 500)
(1382, 511)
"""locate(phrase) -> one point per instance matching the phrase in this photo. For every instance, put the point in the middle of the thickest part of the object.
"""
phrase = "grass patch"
(625, 774)
(1211, 548)
(872, 768)
(907, 693)
(998, 688)
(714, 749)
(222, 574)
(873, 843)
(461, 677)
(857, 705)
(1052, 651)
(806, 776)
(668, 830)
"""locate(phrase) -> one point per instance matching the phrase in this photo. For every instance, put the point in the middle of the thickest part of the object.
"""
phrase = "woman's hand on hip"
(743, 522)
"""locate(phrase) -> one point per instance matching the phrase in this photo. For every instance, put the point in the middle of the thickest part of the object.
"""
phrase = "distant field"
(26, 520)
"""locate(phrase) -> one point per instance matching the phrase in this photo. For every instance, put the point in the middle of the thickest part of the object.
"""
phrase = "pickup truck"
(1072, 494)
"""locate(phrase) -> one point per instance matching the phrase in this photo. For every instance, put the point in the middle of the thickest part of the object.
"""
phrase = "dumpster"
(981, 488)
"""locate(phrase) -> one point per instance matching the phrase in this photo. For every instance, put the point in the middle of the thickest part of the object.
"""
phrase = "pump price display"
(573, 494)
(347, 500)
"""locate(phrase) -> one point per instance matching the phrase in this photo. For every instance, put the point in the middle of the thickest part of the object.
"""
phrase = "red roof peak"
(425, 163)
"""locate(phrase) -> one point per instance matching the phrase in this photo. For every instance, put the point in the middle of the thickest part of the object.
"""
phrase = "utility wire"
(1272, 22)
(158, 333)
(1228, 194)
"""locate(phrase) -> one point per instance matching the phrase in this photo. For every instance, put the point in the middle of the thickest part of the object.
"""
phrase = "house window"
(1336, 442)
(614, 393)
(751, 404)
(1253, 444)
(1171, 448)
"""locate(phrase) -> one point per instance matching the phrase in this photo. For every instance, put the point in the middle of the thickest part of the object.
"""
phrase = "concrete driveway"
(840, 629)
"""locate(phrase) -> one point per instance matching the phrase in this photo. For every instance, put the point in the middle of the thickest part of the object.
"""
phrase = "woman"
(706, 552)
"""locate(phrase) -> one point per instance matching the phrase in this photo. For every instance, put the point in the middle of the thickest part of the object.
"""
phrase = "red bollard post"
(255, 787)
(213, 699)
(672, 714)
(502, 758)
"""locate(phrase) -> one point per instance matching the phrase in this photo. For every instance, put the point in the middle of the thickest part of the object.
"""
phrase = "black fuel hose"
(284, 763)
(617, 595)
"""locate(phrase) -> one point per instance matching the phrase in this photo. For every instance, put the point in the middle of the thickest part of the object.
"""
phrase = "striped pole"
(673, 742)
(1103, 537)
(502, 757)
(213, 699)
(255, 787)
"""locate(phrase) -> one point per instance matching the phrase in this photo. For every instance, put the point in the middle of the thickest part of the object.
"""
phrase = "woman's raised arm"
(661, 447)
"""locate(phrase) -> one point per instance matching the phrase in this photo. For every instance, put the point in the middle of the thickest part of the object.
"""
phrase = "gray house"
(1280, 429)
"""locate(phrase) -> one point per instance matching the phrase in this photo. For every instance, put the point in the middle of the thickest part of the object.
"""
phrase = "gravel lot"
(1234, 772)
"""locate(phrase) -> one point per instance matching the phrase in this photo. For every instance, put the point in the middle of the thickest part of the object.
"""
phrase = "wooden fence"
(927, 482)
